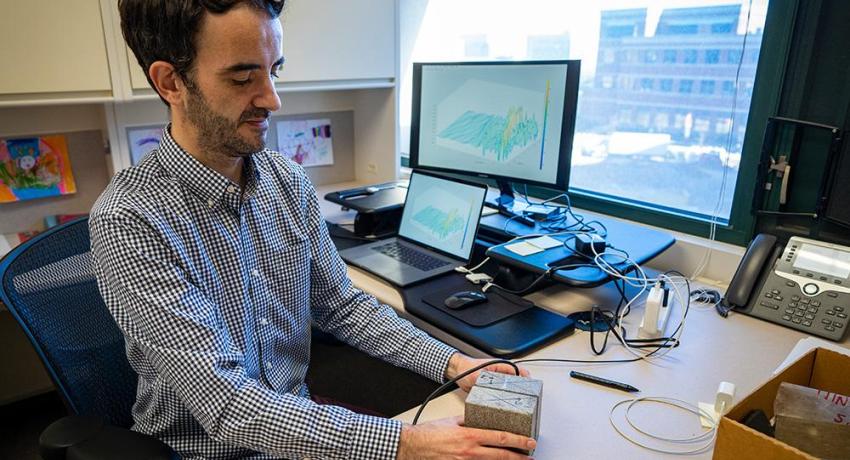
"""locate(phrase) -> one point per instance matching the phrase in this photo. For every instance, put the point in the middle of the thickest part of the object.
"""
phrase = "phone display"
(819, 259)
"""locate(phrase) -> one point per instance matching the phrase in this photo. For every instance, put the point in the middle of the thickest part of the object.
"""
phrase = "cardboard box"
(820, 368)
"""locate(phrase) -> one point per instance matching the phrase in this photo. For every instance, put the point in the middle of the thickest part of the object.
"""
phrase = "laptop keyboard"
(410, 256)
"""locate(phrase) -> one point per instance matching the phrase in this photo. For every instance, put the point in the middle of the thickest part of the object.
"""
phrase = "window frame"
(776, 43)
(766, 96)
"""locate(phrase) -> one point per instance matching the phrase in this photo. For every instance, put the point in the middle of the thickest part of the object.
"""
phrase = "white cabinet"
(338, 40)
(72, 51)
(51, 47)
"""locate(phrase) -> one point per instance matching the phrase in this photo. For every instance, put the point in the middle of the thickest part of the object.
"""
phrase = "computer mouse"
(464, 299)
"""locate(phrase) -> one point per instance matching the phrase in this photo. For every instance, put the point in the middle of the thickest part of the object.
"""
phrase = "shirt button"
(264, 321)
(268, 364)
(231, 188)
(255, 272)
(211, 203)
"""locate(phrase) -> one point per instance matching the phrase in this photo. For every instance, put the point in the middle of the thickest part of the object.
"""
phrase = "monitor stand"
(505, 202)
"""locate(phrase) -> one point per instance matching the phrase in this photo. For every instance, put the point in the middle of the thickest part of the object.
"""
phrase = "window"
(651, 57)
(733, 56)
(679, 133)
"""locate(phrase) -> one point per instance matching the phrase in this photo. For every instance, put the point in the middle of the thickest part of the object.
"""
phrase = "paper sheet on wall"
(143, 139)
(306, 142)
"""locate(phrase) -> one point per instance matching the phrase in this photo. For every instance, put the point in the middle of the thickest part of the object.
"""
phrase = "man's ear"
(167, 82)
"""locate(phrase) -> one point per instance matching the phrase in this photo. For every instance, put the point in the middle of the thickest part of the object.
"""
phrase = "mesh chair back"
(49, 286)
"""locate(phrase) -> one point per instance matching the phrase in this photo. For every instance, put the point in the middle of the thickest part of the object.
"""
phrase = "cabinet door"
(338, 40)
(51, 46)
(138, 80)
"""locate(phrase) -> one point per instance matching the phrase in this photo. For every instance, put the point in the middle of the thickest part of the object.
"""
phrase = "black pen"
(601, 381)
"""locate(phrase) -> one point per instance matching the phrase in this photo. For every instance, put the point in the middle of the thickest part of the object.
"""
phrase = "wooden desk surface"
(739, 349)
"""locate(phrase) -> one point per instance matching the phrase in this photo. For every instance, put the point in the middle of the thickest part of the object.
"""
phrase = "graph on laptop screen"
(442, 214)
(509, 121)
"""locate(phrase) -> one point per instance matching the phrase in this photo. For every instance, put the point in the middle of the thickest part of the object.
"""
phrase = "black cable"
(665, 344)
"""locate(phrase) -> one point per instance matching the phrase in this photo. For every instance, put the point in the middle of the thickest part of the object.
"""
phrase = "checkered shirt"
(215, 288)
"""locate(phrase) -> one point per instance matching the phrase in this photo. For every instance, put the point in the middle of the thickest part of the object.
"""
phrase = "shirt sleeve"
(358, 318)
(181, 333)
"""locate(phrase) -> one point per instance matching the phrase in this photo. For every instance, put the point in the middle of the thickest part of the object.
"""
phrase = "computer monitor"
(511, 121)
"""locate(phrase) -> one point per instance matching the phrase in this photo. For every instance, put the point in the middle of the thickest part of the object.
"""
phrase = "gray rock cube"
(505, 403)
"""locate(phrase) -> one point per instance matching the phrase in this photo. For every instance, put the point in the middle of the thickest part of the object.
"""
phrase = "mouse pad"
(498, 306)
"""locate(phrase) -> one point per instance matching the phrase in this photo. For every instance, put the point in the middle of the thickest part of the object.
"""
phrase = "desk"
(574, 424)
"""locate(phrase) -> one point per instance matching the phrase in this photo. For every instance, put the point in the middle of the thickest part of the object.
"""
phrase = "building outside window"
(673, 129)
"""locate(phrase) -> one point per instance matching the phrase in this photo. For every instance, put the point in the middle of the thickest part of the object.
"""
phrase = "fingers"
(508, 369)
(503, 439)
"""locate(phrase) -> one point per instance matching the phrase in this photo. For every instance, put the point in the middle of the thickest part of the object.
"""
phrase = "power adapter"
(656, 312)
(589, 244)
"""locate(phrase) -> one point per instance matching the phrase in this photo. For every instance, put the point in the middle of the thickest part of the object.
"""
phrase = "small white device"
(656, 312)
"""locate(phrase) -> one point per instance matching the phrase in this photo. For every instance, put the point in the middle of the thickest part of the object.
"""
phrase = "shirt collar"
(209, 185)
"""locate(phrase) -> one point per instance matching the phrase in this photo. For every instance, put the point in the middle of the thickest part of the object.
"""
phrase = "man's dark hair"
(165, 30)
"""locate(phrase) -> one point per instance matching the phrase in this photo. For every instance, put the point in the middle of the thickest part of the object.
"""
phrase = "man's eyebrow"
(243, 66)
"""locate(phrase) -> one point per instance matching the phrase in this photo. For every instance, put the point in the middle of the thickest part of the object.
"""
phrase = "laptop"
(436, 233)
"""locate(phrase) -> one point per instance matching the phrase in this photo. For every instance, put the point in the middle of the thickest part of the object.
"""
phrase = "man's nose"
(268, 98)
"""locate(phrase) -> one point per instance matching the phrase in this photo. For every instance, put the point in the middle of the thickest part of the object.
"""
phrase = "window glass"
(675, 151)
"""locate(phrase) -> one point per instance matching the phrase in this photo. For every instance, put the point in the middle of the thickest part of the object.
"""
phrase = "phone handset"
(752, 266)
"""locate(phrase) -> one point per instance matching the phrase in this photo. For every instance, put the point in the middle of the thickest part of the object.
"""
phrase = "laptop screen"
(442, 214)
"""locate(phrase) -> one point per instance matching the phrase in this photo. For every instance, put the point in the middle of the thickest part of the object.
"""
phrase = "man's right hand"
(449, 439)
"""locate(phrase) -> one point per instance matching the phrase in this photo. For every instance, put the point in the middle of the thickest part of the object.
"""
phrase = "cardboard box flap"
(736, 441)
(763, 396)
(831, 372)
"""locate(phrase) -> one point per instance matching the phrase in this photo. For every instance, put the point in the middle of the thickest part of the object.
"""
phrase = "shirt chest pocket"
(287, 266)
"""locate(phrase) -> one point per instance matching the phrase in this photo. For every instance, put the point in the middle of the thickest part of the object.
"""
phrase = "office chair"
(49, 285)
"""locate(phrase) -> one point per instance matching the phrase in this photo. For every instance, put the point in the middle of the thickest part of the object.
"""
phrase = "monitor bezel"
(568, 121)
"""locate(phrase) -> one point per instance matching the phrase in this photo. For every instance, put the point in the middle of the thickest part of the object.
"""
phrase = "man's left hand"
(460, 363)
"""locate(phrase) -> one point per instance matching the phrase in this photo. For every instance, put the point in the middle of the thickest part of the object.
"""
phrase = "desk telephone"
(804, 285)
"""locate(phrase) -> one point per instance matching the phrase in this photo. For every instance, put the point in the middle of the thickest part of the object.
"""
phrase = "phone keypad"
(802, 312)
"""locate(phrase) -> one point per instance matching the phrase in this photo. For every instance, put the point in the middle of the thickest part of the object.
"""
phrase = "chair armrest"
(88, 438)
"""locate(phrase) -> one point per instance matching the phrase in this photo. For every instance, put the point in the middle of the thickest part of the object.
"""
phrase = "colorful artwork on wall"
(306, 142)
(35, 167)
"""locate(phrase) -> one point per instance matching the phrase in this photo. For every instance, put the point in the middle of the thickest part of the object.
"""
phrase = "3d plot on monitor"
(501, 131)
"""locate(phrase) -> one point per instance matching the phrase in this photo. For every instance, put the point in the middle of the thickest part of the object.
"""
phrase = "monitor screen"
(442, 214)
(509, 121)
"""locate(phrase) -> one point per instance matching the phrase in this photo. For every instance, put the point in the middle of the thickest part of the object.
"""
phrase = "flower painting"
(36, 167)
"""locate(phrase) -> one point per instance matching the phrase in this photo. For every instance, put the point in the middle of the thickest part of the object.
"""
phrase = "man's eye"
(241, 82)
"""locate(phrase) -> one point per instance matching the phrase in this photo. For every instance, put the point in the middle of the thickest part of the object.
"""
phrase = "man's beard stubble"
(216, 132)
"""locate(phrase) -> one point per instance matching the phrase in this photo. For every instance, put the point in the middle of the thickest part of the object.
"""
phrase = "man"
(213, 257)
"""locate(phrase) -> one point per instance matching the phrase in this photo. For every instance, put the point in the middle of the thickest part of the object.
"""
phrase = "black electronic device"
(464, 299)
(511, 121)
(378, 207)
(804, 285)
(589, 244)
